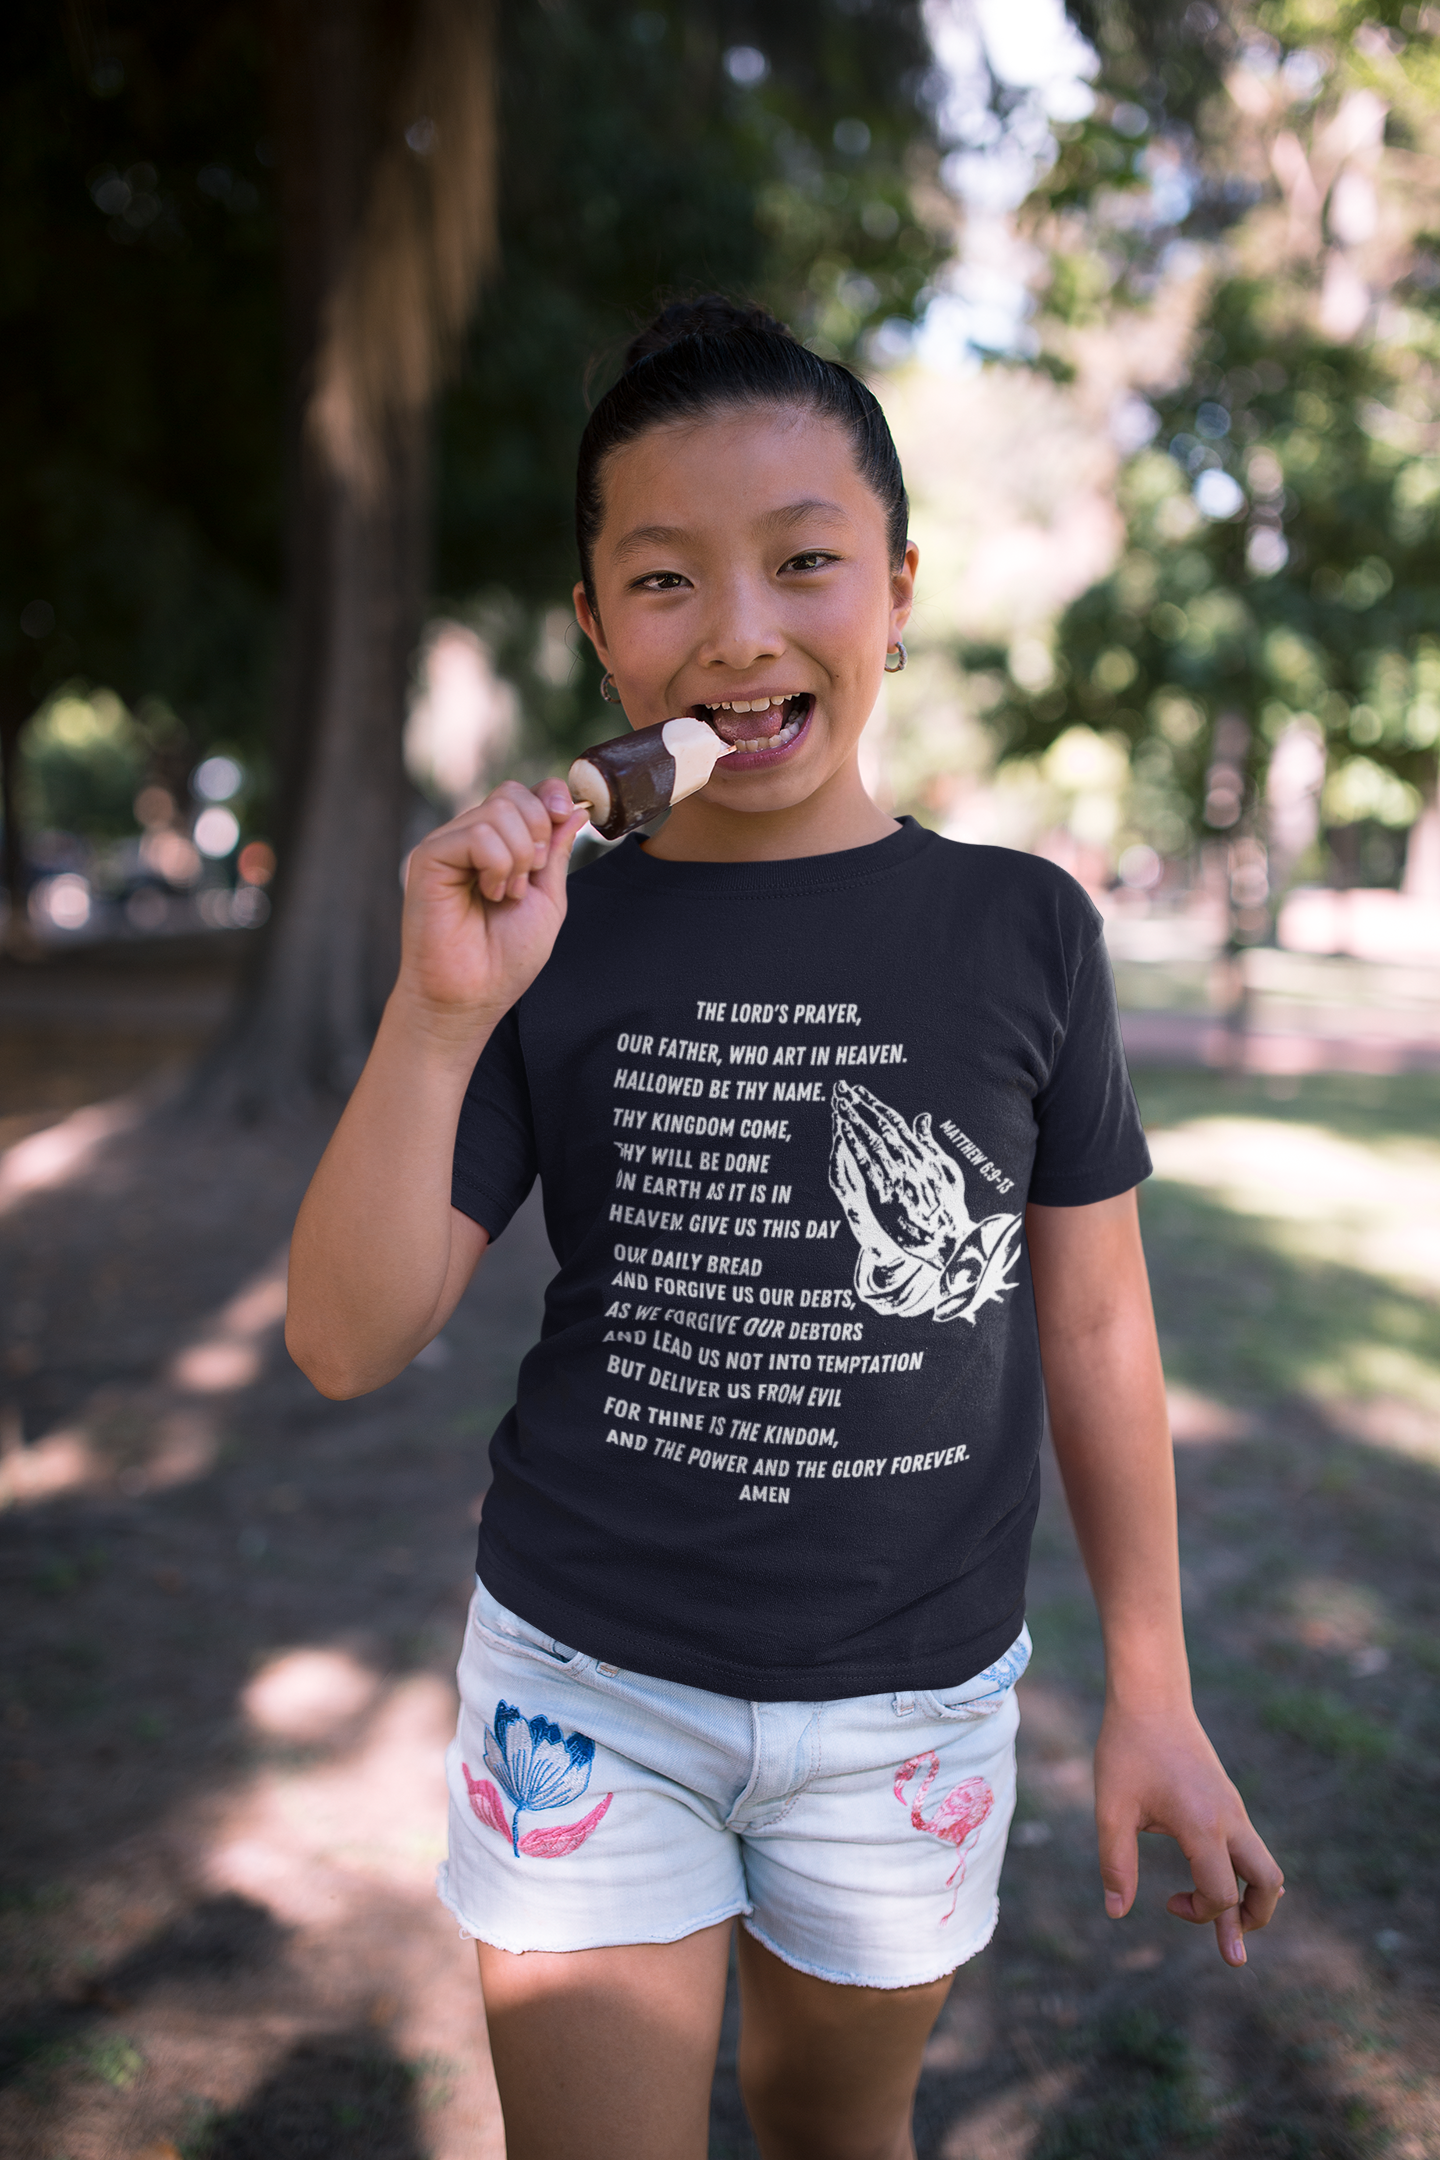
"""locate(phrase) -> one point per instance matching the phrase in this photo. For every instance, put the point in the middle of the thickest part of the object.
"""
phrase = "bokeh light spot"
(216, 779)
(216, 832)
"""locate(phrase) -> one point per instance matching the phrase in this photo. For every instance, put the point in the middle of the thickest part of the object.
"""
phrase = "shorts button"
(608, 1670)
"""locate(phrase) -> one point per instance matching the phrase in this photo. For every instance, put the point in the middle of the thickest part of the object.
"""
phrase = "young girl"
(838, 1154)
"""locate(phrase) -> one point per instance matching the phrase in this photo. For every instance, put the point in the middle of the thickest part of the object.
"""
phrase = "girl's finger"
(1216, 1897)
(557, 800)
(467, 848)
(551, 879)
(491, 861)
(528, 846)
(1230, 1936)
(521, 851)
(1119, 1866)
(530, 806)
(1264, 1883)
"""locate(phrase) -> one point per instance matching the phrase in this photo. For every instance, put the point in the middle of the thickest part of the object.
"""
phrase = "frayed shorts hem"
(953, 1961)
(495, 1938)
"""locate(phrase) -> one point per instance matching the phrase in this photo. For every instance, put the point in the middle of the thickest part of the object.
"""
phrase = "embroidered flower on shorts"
(957, 1818)
(539, 1768)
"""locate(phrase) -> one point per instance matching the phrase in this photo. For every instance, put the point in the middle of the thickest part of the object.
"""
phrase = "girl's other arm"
(379, 1257)
(1155, 1769)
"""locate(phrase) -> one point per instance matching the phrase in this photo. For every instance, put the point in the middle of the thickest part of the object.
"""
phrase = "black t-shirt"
(780, 1435)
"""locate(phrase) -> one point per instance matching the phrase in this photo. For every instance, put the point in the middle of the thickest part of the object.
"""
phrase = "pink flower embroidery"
(957, 1818)
(554, 1844)
(488, 1808)
(485, 1803)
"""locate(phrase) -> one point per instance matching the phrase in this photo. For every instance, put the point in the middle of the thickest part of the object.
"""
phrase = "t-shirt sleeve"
(1091, 1143)
(495, 1163)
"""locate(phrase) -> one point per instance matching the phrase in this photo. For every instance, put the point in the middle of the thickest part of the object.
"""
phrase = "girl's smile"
(762, 729)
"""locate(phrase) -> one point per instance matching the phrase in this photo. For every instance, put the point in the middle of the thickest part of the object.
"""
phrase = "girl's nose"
(740, 628)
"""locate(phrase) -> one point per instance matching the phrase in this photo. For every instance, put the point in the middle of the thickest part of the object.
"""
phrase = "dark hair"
(699, 356)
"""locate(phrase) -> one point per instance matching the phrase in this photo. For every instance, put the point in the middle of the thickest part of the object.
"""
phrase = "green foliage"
(1320, 595)
(647, 170)
(141, 377)
(83, 761)
(144, 381)
(1282, 547)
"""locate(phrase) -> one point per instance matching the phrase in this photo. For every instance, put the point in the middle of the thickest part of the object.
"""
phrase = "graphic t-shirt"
(780, 1435)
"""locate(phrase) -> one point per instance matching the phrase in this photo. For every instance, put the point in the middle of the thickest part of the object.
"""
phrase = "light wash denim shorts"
(860, 1840)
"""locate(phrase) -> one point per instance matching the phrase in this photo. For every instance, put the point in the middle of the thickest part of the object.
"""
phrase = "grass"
(1246, 1315)
(40, 2055)
(1308, 1542)
(1367, 1107)
(1142, 2097)
(1324, 1721)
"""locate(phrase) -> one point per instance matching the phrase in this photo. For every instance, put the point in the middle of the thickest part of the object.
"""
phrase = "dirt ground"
(230, 1613)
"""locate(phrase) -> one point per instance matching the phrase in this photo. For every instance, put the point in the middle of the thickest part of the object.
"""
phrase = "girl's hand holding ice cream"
(484, 901)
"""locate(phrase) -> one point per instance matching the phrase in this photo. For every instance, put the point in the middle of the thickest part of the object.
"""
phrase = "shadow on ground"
(218, 1930)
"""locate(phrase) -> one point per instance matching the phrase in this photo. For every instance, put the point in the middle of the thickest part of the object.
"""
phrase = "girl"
(838, 1153)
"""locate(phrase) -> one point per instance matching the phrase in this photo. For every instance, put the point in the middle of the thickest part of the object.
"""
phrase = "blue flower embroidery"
(536, 1765)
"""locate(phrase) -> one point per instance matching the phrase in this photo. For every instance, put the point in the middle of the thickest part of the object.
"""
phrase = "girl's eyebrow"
(650, 536)
(641, 537)
(796, 513)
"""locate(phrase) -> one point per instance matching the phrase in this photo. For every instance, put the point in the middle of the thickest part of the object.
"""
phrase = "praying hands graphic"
(904, 1197)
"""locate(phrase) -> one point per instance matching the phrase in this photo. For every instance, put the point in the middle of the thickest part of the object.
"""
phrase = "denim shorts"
(860, 1840)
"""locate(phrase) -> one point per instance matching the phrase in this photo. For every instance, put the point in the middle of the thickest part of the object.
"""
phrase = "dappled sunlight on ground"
(342, 1850)
(309, 1839)
(236, 1609)
(143, 1439)
(1375, 1206)
(1312, 1248)
(1197, 1417)
(308, 1694)
(60, 1153)
(331, 1851)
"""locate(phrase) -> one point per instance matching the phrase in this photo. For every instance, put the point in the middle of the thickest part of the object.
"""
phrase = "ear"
(590, 623)
(902, 590)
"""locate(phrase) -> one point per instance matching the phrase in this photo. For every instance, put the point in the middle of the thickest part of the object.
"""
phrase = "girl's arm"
(379, 1257)
(1154, 1767)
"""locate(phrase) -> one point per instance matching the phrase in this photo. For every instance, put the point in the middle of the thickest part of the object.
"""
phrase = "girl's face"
(744, 563)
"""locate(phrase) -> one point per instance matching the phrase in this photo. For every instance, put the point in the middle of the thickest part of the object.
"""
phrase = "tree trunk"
(331, 960)
(15, 710)
(376, 233)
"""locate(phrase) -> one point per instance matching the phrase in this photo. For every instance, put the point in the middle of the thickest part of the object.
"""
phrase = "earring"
(895, 658)
(608, 690)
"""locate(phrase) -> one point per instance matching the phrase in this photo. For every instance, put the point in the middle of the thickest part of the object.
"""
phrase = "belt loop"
(904, 1705)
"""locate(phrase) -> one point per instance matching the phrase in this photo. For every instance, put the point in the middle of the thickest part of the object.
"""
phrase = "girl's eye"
(660, 581)
(812, 559)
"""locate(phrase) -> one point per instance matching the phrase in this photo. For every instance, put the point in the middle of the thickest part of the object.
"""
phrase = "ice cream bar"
(632, 779)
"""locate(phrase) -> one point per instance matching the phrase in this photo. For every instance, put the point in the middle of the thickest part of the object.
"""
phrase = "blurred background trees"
(303, 309)
(1266, 648)
(242, 250)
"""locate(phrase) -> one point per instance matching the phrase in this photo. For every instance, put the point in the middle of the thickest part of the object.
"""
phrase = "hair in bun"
(711, 315)
(709, 354)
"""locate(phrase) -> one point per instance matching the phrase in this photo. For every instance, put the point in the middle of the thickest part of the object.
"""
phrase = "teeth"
(749, 705)
(786, 735)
